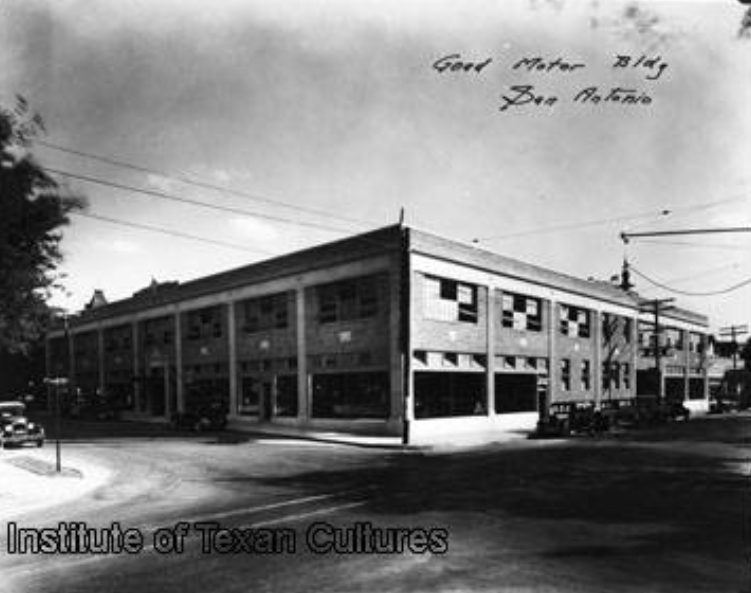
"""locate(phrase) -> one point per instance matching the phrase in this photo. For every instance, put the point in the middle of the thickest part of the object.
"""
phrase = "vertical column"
(686, 364)
(396, 356)
(178, 360)
(490, 362)
(303, 397)
(554, 371)
(705, 365)
(179, 382)
(598, 318)
(232, 354)
(100, 359)
(167, 391)
(137, 379)
(634, 339)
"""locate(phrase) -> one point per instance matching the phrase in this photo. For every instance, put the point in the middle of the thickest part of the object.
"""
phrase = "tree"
(33, 209)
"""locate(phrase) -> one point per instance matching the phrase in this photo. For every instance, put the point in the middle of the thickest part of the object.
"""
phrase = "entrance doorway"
(267, 407)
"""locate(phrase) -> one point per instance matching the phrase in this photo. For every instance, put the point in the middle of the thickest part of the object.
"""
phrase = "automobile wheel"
(40, 443)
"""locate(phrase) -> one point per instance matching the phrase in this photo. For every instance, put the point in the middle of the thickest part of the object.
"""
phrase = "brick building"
(396, 331)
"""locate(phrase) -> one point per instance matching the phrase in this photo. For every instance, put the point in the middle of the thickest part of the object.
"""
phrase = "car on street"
(16, 428)
(210, 417)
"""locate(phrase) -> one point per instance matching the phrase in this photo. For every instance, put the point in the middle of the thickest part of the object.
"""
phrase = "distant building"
(396, 331)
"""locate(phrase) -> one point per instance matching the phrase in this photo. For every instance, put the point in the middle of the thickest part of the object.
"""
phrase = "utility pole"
(733, 332)
(656, 307)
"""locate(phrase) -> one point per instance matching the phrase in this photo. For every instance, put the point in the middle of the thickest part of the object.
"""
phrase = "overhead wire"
(174, 233)
(688, 293)
(569, 226)
(703, 273)
(198, 182)
(693, 244)
(218, 207)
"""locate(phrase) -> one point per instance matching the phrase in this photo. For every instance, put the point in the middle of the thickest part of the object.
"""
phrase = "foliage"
(32, 211)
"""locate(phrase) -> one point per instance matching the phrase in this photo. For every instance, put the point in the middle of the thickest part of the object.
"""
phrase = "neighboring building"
(396, 331)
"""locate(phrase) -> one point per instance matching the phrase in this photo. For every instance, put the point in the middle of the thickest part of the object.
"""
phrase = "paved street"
(651, 510)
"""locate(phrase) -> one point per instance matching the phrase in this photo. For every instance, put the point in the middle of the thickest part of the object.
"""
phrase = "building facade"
(396, 331)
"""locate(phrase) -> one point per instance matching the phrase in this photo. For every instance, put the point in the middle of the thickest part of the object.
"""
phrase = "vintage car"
(16, 428)
(205, 418)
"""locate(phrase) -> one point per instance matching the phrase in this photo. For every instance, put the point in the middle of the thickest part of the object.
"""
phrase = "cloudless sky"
(335, 106)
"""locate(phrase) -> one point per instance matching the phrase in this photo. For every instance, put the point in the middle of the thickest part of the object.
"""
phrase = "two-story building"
(396, 331)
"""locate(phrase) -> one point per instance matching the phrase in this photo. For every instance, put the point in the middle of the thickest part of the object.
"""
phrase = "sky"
(327, 118)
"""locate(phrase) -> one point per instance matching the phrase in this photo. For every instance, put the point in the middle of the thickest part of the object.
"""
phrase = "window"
(586, 374)
(673, 339)
(574, 321)
(565, 374)
(205, 323)
(616, 374)
(606, 376)
(250, 397)
(351, 395)
(450, 359)
(695, 343)
(449, 300)
(267, 312)
(349, 299)
(447, 394)
(521, 312)
(627, 329)
(286, 395)
(626, 375)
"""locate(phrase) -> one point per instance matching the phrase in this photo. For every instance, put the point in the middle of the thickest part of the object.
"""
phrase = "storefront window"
(351, 395)
(440, 395)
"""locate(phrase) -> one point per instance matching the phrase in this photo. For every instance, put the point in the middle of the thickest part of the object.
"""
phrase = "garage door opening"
(515, 392)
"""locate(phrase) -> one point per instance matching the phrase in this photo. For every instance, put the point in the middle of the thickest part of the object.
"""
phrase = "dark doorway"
(155, 392)
(268, 404)
(515, 392)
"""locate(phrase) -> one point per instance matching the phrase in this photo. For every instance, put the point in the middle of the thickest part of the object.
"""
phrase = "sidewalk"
(321, 436)
(29, 480)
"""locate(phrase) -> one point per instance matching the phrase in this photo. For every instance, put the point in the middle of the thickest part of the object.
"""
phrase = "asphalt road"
(651, 510)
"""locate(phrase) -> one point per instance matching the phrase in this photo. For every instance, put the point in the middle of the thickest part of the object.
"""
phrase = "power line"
(703, 273)
(573, 225)
(690, 244)
(687, 293)
(166, 231)
(680, 211)
(166, 196)
(195, 181)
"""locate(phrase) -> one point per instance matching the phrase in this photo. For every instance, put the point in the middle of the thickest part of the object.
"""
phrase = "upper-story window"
(575, 321)
(205, 323)
(267, 312)
(565, 374)
(450, 300)
(673, 338)
(586, 374)
(695, 343)
(348, 299)
(521, 312)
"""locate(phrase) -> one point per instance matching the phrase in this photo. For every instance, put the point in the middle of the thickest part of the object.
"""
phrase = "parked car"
(722, 405)
(16, 428)
(94, 411)
(211, 417)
